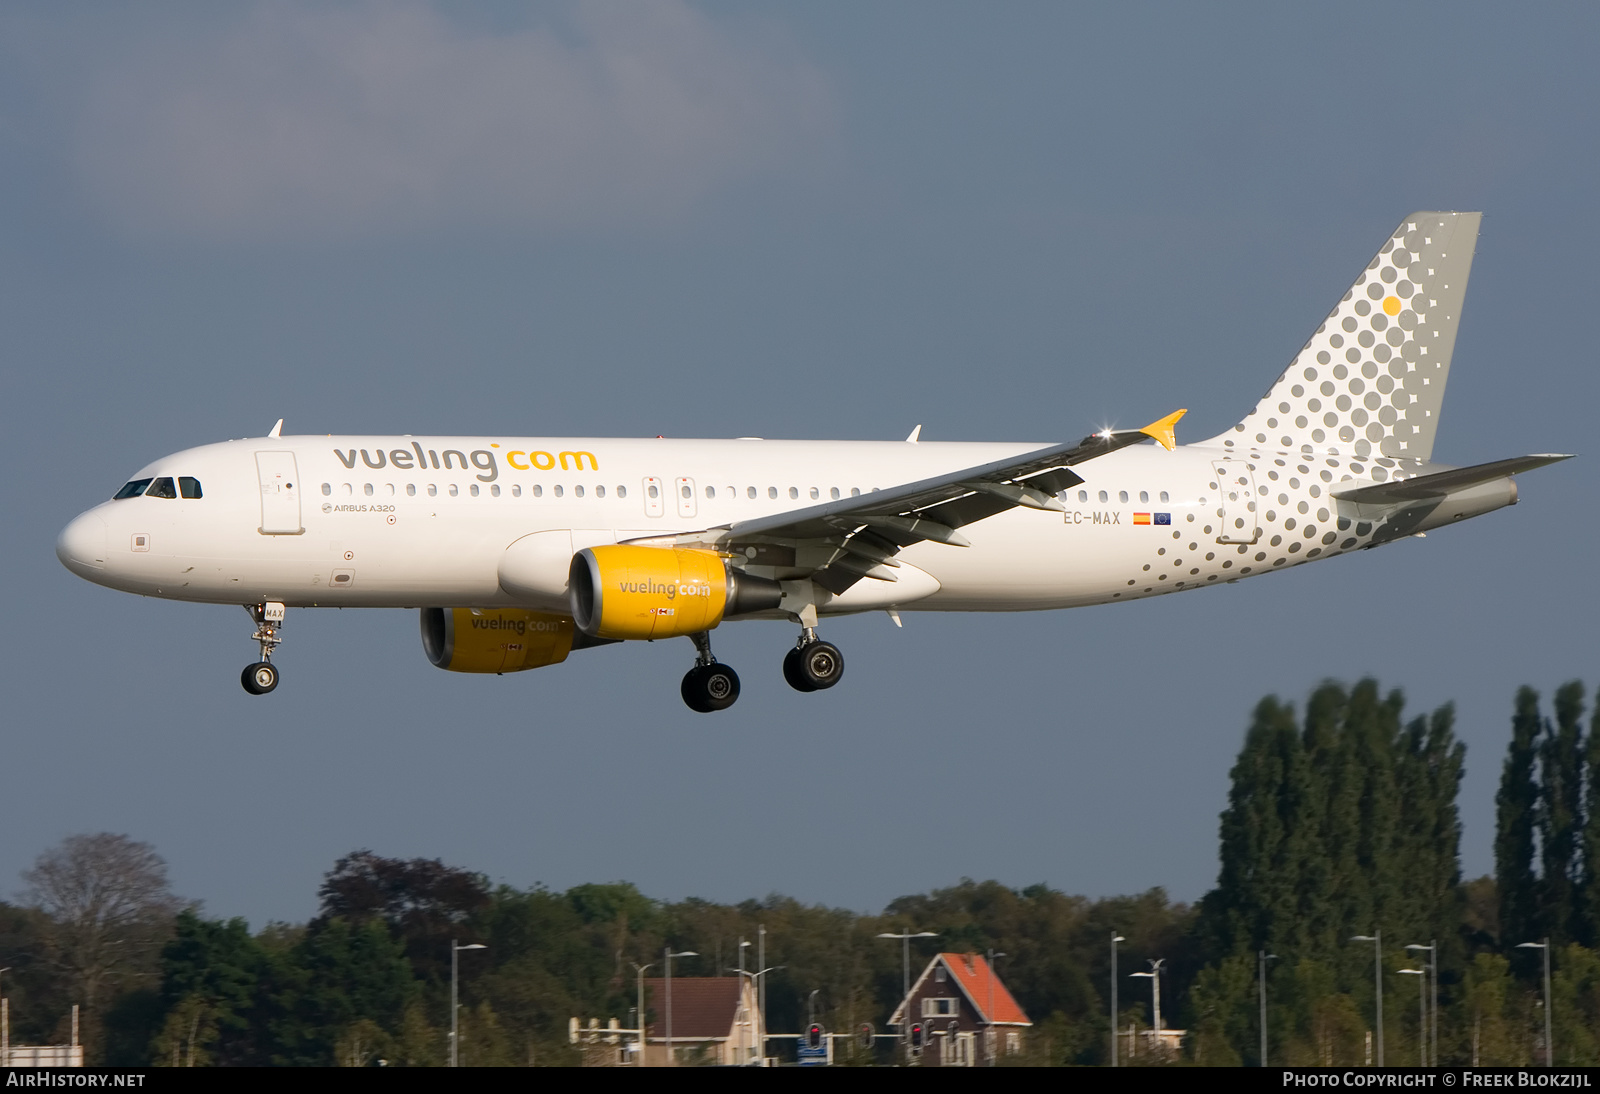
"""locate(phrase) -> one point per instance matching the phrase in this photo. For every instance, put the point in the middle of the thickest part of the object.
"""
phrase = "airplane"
(519, 551)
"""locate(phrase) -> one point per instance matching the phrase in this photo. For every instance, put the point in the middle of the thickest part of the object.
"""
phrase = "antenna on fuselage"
(915, 433)
(277, 430)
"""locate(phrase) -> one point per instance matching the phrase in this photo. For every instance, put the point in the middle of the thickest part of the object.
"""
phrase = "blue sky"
(824, 220)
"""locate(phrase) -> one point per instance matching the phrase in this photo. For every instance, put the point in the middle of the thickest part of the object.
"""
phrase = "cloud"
(309, 121)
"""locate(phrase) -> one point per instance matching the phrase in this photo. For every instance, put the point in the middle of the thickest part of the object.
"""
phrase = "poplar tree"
(1516, 820)
(1560, 814)
(1589, 903)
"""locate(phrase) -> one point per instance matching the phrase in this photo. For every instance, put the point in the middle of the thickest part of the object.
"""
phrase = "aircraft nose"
(81, 547)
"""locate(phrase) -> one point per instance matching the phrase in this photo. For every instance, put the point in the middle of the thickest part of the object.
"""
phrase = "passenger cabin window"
(161, 488)
(1164, 495)
(367, 490)
(772, 491)
(599, 491)
(516, 491)
(188, 486)
(1083, 495)
(474, 489)
(538, 491)
(834, 493)
(1144, 495)
(327, 489)
(454, 490)
(750, 492)
(794, 492)
(1104, 496)
(622, 491)
(411, 489)
(433, 490)
(577, 491)
(131, 490)
(1122, 495)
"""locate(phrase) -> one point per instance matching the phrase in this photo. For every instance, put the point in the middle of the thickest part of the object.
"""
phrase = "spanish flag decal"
(1141, 518)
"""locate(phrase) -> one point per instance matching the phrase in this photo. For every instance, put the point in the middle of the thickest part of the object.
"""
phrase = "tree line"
(1341, 821)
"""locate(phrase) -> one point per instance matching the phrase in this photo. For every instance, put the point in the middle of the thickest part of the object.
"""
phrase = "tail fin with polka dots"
(1371, 379)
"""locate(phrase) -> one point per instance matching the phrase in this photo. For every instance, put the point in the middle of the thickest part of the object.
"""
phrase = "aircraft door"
(684, 488)
(654, 506)
(280, 494)
(1237, 504)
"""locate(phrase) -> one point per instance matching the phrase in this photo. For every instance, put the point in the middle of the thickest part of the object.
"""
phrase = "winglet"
(277, 430)
(1165, 431)
(915, 433)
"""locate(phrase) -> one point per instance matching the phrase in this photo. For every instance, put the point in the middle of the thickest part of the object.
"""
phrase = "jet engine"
(624, 591)
(495, 639)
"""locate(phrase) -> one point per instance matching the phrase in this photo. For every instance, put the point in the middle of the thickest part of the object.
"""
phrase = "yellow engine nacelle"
(647, 592)
(494, 639)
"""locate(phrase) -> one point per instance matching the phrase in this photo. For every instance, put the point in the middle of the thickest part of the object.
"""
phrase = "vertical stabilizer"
(1371, 379)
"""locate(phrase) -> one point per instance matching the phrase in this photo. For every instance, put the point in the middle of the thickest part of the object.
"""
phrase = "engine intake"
(627, 592)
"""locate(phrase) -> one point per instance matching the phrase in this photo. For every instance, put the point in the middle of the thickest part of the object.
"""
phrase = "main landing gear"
(709, 685)
(262, 677)
(813, 664)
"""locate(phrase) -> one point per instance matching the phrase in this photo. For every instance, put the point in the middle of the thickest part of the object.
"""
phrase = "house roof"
(703, 1007)
(971, 971)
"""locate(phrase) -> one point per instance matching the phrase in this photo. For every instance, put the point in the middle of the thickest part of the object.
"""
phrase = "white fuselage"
(372, 522)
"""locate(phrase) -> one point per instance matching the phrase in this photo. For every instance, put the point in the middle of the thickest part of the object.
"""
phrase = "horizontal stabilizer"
(1439, 483)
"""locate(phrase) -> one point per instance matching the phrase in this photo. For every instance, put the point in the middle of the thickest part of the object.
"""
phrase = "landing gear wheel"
(259, 678)
(794, 674)
(708, 688)
(814, 666)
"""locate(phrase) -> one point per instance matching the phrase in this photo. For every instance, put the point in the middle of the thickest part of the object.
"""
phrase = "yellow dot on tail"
(1392, 305)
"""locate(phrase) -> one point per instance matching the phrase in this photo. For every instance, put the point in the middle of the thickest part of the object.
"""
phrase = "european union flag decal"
(1163, 518)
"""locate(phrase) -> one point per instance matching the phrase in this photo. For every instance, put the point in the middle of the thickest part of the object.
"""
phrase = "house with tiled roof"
(715, 1020)
(961, 1013)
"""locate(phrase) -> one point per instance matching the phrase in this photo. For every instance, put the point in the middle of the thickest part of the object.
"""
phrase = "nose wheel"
(813, 665)
(710, 685)
(259, 678)
(262, 677)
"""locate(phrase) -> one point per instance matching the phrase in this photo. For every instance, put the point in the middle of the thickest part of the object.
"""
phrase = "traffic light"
(916, 1037)
(864, 1035)
(813, 1036)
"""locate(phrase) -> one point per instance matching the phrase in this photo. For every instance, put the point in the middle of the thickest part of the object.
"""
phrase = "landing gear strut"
(262, 677)
(813, 664)
(709, 685)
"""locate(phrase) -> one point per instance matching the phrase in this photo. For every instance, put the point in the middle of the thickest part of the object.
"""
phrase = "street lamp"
(638, 972)
(455, 1026)
(1549, 1046)
(1262, 957)
(905, 938)
(756, 979)
(1377, 977)
(1154, 976)
(1422, 1013)
(1115, 938)
(990, 1046)
(1433, 1011)
(668, 956)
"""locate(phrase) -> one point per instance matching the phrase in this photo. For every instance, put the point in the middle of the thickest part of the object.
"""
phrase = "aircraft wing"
(861, 535)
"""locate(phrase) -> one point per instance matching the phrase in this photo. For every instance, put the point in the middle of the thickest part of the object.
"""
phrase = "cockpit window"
(161, 488)
(132, 489)
(189, 486)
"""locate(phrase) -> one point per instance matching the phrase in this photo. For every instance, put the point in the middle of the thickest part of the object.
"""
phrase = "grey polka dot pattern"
(1371, 380)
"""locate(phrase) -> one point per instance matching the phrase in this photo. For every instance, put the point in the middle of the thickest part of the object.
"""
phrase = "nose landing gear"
(262, 677)
(709, 685)
(813, 665)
